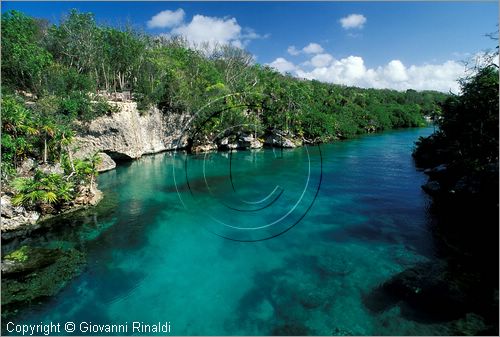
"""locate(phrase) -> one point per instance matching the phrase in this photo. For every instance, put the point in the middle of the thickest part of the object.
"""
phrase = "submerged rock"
(30, 273)
(264, 311)
(472, 325)
(337, 265)
(428, 289)
(291, 329)
(27, 259)
(342, 332)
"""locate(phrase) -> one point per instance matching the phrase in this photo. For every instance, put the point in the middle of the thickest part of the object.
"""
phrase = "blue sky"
(415, 34)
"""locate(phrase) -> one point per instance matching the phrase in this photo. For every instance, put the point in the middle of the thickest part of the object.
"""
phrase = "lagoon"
(245, 243)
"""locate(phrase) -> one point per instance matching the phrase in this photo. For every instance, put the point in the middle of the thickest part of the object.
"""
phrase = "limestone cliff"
(127, 134)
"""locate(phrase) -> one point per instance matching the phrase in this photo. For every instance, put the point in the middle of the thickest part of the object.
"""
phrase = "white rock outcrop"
(128, 135)
(12, 217)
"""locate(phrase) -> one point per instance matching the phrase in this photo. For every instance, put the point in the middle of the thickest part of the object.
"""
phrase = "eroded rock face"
(204, 147)
(106, 164)
(29, 165)
(25, 168)
(249, 142)
(15, 217)
(239, 142)
(256, 144)
(228, 144)
(128, 135)
(281, 139)
(17, 221)
(51, 169)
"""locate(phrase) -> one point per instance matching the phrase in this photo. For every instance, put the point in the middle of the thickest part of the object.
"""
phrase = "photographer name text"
(87, 328)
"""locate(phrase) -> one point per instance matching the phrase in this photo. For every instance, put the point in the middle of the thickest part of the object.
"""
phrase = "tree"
(75, 42)
(24, 61)
(233, 63)
(86, 169)
(65, 64)
(124, 50)
(467, 138)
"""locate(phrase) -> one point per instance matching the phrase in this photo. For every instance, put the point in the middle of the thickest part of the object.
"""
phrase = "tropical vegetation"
(55, 77)
(466, 140)
(465, 151)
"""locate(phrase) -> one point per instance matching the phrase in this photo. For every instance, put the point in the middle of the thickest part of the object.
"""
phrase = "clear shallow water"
(151, 258)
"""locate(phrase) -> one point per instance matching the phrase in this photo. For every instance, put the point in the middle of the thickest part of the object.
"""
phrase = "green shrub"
(43, 188)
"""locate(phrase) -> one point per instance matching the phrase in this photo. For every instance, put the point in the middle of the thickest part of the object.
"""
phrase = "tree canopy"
(53, 73)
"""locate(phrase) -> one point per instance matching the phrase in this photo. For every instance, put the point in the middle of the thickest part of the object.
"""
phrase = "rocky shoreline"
(29, 273)
(129, 134)
(464, 208)
(16, 221)
(126, 135)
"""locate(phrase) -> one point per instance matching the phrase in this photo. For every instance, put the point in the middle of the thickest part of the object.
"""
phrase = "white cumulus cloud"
(395, 71)
(353, 21)
(292, 50)
(167, 19)
(352, 71)
(210, 29)
(321, 60)
(203, 29)
(282, 65)
(312, 48)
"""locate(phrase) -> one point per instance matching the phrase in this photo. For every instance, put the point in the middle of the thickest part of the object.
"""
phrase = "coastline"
(24, 226)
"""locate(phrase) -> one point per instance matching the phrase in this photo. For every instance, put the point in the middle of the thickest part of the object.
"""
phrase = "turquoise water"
(156, 251)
